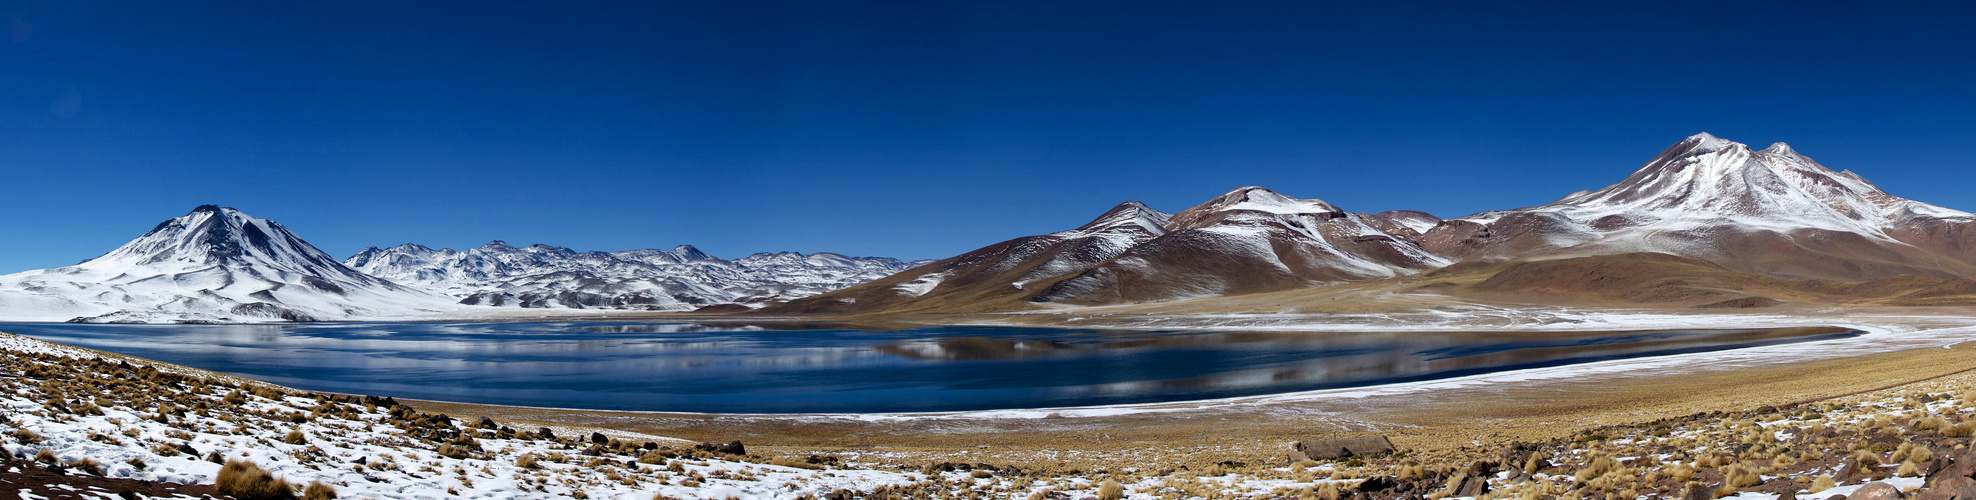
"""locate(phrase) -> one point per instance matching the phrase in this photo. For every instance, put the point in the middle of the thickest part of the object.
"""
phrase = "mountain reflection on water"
(810, 367)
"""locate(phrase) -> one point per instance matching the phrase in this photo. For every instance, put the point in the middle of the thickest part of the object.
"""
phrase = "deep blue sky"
(916, 129)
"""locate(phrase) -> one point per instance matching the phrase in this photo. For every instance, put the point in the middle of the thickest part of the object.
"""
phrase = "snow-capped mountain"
(1248, 240)
(684, 278)
(213, 264)
(1772, 212)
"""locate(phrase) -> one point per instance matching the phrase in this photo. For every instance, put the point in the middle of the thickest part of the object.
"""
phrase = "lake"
(817, 368)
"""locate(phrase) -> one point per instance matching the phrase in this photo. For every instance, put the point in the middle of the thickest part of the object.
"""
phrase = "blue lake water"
(824, 368)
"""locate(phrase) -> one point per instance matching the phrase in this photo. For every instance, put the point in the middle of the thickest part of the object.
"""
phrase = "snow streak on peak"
(1263, 200)
(1130, 213)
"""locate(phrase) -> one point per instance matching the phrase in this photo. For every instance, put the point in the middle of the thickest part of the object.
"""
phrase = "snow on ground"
(77, 407)
(80, 404)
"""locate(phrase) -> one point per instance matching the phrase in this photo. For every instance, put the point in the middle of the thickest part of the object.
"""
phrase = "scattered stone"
(599, 438)
(187, 449)
(1876, 491)
(1339, 448)
(488, 423)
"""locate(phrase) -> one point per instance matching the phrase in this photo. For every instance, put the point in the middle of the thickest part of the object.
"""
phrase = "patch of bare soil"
(18, 479)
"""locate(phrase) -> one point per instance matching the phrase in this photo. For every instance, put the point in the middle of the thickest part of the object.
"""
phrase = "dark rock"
(734, 448)
(592, 451)
(1963, 465)
(545, 433)
(488, 423)
(599, 438)
(1699, 492)
(650, 445)
(1951, 488)
(187, 448)
(1876, 491)
(1472, 486)
(1375, 484)
(361, 460)
(1338, 448)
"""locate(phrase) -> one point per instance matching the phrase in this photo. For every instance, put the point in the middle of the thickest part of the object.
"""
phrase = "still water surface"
(825, 368)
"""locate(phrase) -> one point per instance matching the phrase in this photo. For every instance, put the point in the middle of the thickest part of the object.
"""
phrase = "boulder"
(1950, 488)
(1876, 491)
(1962, 465)
(1339, 448)
(1472, 486)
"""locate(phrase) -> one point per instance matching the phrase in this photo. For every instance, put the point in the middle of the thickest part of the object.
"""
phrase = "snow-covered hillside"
(214, 264)
(1248, 240)
(1772, 212)
(684, 278)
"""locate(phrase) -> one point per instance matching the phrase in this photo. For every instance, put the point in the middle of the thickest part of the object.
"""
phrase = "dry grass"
(246, 481)
(318, 491)
(782, 462)
(1111, 490)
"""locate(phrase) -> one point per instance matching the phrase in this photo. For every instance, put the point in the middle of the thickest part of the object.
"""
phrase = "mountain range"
(1745, 228)
(1707, 223)
(684, 278)
(219, 265)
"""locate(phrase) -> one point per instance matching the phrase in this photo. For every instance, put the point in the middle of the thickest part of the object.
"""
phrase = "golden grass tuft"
(1329, 491)
(1907, 469)
(1111, 490)
(246, 481)
(1823, 483)
(778, 461)
(1920, 454)
(295, 437)
(1867, 459)
(527, 461)
(318, 491)
(1598, 467)
(88, 465)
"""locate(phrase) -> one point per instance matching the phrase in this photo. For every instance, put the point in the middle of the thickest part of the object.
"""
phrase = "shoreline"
(1446, 422)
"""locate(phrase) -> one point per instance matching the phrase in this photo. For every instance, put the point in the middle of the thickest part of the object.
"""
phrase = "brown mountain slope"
(998, 277)
(1662, 280)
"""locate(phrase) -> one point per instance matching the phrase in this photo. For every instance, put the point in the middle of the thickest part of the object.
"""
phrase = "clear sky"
(917, 129)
